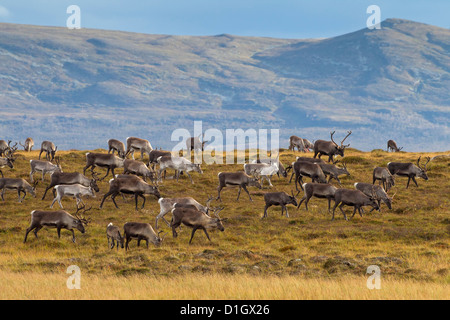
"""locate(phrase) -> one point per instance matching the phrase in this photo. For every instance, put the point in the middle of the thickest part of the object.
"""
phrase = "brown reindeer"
(330, 148)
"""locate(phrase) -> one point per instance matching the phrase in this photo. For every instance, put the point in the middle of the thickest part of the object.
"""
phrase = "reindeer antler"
(348, 133)
(332, 133)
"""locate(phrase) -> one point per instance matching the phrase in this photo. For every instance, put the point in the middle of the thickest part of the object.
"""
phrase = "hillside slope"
(81, 87)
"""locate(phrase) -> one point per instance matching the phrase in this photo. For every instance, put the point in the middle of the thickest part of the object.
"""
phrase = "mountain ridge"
(382, 84)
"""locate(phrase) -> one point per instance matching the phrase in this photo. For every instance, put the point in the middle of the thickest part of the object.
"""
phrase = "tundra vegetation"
(304, 256)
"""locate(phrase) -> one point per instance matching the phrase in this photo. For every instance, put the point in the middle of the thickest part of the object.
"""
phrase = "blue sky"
(274, 18)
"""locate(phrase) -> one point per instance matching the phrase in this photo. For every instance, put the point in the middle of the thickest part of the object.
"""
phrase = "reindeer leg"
(239, 193)
(245, 188)
(407, 185)
(190, 177)
(414, 180)
(28, 231)
(192, 235)
(73, 235)
(354, 211)
(265, 210)
(207, 235)
(340, 207)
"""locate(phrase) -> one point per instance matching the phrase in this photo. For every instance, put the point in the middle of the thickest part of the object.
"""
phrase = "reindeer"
(318, 190)
(385, 177)
(74, 190)
(308, 145)
(354, 198)
(102, 160)
(312, 160)
(57, 219)
(307, 169)
(154, 155)
(179, 164)
(262, 170)
(279, 199)
(6, 150)
(116, 145)
(4, 147)
(392, 146)
(281, 169)
(20, 185)
(113, 234)
(195, 219)
(330, 148)
(409, 170)
(6, 162)
(129, 184)
(166, 205)
(137, 144)
(297, 142)
(69, 178)
(194, 143)
(138, 168)
(29, 144)
(44, 167)
(240, 179)
(50, 150)
(334, 171)
(377, 192)
(141, 231)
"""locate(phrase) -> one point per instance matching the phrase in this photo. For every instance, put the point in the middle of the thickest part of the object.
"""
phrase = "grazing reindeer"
(392, 146)
(318, 190)
(113, 234)
(154, 155)
(6, 150)
(262, 171)
(69, 178)
(74, 190)
(409, 170)
(141, 231)
(281, 169)
(50, 150)
(4, 147)
(383, 174)
(195, 144)
(102, 160)
(29, 144)
(308, 145)
(330, 148)
(6, 162)
(116, 145)
(279, 199)
(375, 191)
(138, 168)
(195, 219)
(180, 164)
(137, 144)
(59, 220)
(297, 142)
(240, 179)
(307, 169)
(129, 184)
(334, 171)
(166, 205)
(17, 184)
(354, 198)
(44, 167)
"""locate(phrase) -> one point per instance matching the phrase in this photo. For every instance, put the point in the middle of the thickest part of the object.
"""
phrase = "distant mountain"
(82, 87)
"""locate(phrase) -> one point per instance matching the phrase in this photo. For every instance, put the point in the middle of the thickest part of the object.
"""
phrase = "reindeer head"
(292, 199)
(217, 221)
(158, 239)
(80, 221)
(423, 170)
(340, 149)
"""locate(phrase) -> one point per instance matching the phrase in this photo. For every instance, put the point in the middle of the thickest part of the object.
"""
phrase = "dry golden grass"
(410, 243)
(212, 287)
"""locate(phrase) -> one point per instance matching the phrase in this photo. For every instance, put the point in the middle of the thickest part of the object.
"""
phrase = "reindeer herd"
(140, 179)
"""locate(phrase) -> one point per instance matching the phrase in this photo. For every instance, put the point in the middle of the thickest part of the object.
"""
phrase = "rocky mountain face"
(81, 87)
